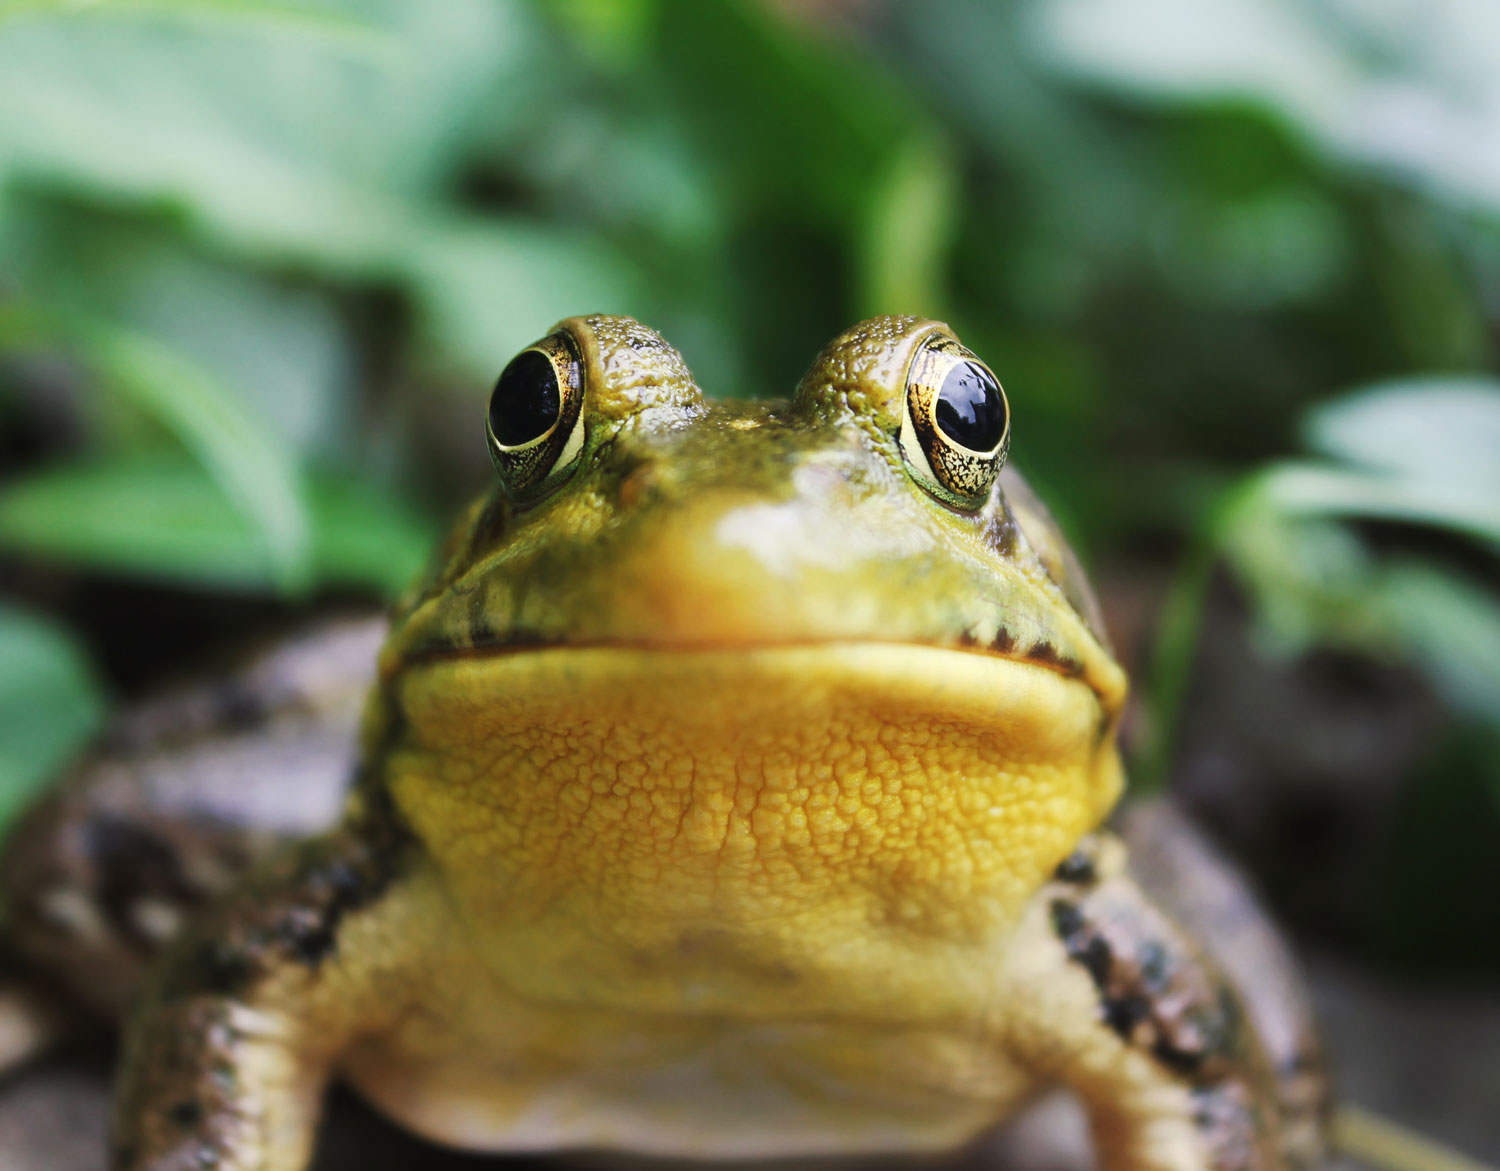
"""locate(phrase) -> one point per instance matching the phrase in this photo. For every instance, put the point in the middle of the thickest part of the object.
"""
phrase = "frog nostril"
(636, 484)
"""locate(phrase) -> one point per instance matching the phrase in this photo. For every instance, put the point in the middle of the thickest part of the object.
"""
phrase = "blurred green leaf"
(303, 21)
(1315, 582)
(910, 225)
(1442, 429)
(365, 538)
(278, 347)
(252, 468)
(792, 120)
(1321, 490)
(273, 144)
(613, 31)
(487, 288)
(1407, 88)
(157, 518)
(50, 704)
(1420, 452)
(163, 517)
(1252, 252)
(1452, 628)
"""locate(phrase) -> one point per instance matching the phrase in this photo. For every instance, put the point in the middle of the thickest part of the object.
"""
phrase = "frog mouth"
(1096, 671)
(946, 683)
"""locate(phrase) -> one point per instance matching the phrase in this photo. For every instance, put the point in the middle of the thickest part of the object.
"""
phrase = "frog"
(739, 782)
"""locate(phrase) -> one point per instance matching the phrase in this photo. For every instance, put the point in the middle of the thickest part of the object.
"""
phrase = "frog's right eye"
(535, 425)
(955, 423)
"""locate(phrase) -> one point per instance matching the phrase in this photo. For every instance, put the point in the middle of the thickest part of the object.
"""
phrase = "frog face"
(681, 634)
(632, 511)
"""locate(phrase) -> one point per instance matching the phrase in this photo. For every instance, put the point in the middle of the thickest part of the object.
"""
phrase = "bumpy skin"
(735, 798)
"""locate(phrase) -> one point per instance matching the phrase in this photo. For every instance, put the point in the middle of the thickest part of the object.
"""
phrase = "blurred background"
(1237, 264)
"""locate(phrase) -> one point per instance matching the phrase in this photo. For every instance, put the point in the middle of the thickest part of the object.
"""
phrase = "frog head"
(687, 650)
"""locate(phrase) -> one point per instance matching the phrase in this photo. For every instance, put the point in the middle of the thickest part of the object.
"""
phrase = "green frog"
(734, 786)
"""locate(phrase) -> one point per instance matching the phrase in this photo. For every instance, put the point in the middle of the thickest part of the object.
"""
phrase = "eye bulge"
(955, 425)
(535, 421)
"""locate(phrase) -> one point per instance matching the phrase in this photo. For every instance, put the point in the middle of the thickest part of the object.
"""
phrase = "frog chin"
(633, 794)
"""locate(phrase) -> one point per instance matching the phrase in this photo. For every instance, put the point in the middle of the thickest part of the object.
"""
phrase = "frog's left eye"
(955, 423)
(535, 423)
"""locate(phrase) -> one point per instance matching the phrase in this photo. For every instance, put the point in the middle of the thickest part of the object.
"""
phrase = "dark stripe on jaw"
(488, 642)
(1047, 655)
(133, 864)
(476, 618)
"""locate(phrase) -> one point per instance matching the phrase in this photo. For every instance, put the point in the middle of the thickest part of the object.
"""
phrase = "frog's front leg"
(1124, 1009)
(233, 1039)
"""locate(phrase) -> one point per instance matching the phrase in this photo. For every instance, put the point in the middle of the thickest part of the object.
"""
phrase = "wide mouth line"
(1043, 655)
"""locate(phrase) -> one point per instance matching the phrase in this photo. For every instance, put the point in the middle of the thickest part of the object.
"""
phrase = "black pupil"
(525, 401)
(970, 409)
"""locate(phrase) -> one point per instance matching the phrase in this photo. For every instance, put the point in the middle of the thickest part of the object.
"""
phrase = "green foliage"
(162, 516)
(1417, 453)
(1421, 453)
(49, 704)
(1365, 81)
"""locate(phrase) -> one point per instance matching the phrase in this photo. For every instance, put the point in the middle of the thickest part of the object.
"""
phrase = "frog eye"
(535, 424)
(955, 423)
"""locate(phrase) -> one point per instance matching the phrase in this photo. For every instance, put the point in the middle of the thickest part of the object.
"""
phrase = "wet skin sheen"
(732, 787)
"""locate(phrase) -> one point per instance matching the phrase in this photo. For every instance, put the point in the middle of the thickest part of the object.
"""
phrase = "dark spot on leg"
(1094, 955)
(132, 864)
(309, 930)
(1152, 960)
(313, 946)
(1231, 1125)
(1154, 990)
(1077, 867)
(1067, 920)
(220, 968)
(1180, 1061)
(1124, 1013)
(1162, 998)
(224, 1078)
(1083, 946)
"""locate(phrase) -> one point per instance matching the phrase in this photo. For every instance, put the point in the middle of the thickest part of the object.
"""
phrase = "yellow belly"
(701, 1089)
